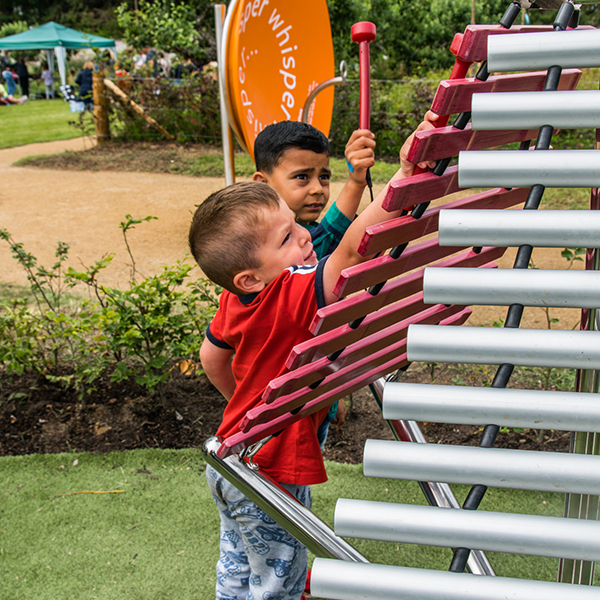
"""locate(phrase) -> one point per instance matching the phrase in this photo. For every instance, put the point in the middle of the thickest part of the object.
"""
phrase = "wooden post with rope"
(100, 107)
(125, 99)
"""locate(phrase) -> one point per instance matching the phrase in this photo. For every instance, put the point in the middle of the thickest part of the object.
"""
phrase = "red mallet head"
(364, 31)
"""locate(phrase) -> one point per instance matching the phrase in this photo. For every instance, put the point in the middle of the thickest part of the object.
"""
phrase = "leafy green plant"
(13, 28)
(186, 108)
(153, 322)
(572, 255)
(133, 333)
(56, 340)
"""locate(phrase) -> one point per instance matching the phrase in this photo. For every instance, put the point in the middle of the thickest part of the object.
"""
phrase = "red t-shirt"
(262, 329)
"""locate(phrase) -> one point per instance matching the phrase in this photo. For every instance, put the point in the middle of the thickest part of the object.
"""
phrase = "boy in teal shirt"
(293, 158)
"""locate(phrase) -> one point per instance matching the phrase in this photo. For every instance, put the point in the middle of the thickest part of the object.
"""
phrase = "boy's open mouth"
(315, 206)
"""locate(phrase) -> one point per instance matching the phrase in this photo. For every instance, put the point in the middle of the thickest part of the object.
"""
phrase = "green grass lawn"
(36, 121)
(155, 535)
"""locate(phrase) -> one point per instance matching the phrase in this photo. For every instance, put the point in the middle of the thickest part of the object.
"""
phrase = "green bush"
(190, 111)
(186, 108)
(13, 28)
(136, 333)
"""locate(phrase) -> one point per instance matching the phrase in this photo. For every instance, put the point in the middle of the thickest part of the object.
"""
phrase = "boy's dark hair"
(275, 139)
(228, 228)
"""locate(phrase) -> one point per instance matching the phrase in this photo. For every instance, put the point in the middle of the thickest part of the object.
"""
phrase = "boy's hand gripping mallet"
(363, 33)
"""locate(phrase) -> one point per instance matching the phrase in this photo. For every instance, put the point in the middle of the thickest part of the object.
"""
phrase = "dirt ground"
(41, 206)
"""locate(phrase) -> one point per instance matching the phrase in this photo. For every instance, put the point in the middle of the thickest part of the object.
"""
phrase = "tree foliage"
(411, 36)
(13, 28)
(186, 28)
(414, 37)
(93, 16)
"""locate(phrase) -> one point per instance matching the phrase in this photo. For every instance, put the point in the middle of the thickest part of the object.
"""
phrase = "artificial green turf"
(157, 539)
(36, 121)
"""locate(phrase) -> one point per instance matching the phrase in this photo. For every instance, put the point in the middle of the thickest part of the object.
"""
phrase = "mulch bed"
(39, 417)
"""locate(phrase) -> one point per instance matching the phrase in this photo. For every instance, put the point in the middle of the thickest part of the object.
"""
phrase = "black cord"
(370, 183)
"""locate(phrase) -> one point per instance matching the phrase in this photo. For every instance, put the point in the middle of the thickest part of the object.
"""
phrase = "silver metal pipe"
(494, 467)
(485, 530)
(227, 138)
(503, 287)
(536, 51)
(408, 431)
(513, 168)
(231, 10)
(436, 494)
(342, 581)
(278, 504)
(565, 411)
(495, 346)
(530, 110)
(501, 228)
(340, 80)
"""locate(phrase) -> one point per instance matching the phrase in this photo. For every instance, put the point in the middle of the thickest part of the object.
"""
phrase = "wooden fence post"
(100, 108)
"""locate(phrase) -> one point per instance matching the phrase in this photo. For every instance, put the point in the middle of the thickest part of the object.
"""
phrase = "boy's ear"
(259, 176)
(247, 282)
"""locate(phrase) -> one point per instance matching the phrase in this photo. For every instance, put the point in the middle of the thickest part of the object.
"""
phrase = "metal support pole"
(298, 520)
(227, 138)
(581, 506)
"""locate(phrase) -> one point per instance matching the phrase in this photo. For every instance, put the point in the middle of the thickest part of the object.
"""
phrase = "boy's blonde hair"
(88, 65)
(227, 231)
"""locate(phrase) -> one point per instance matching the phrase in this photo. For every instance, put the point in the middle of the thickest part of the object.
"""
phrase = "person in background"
(23, 74)
(84, 80)
(163, 65)
(6, 98)
(48, 80)
(9, 81)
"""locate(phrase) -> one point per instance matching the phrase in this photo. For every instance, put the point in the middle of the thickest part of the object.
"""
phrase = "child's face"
(287, 244)
(302, 179)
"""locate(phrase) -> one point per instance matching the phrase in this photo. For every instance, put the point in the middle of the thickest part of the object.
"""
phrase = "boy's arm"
(216, 363)
(359, 154)
(346, 255)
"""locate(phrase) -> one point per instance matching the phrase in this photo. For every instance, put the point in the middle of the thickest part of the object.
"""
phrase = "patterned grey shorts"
(259, 560)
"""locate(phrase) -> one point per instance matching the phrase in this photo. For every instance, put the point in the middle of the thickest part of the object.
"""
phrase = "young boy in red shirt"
(247, 240)
(293, 158)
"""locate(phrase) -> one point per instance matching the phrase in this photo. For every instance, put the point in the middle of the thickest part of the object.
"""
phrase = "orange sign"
(278, 51)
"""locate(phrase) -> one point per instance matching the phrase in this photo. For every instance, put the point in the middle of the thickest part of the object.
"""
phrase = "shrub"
(187, 108)
(134, 333)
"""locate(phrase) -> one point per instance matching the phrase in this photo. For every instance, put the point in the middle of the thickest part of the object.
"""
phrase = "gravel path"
(83, 209)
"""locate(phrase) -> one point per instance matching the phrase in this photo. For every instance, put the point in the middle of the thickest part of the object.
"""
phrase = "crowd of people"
(15, 80)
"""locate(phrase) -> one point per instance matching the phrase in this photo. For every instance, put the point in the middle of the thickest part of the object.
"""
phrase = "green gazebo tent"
(54, 37)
